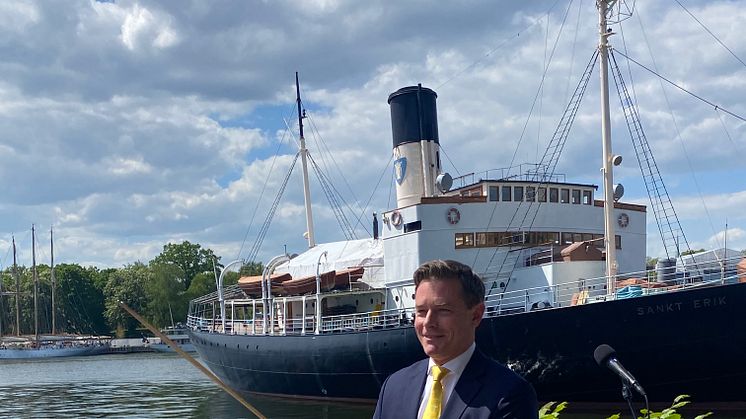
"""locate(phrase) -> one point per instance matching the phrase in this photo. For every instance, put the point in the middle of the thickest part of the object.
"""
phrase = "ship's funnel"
(414, 123)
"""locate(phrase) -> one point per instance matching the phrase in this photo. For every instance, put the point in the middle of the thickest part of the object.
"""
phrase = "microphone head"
(602, 354)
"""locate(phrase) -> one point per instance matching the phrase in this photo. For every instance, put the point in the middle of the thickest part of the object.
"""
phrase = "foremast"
(604, 6)
(304, 157)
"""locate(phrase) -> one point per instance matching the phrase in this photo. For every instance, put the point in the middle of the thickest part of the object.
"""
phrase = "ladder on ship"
(669, 227)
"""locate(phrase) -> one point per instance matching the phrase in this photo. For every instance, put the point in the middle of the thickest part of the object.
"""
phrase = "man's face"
(444, 325)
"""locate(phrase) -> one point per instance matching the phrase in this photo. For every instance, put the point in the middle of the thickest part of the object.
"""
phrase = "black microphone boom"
(605, 356)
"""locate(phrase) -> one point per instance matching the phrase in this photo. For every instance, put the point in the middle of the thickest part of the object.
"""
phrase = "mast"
(18, 290)
(36, 284)
(2, 308)
(304, 156)
(609, 231)
(51, 247)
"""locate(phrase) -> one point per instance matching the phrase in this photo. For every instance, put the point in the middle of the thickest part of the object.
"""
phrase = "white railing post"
(221, 297)
(318, 292)
(303, 326)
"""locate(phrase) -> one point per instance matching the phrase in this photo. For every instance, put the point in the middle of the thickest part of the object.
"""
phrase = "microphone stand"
(627, 395)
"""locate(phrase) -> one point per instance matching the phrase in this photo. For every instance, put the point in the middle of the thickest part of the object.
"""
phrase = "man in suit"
(457, 380)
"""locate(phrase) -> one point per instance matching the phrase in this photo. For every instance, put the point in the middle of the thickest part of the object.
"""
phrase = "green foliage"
(165, 295)
(79, 301)
(126, 285)
(691, 252)
(251, 269)
(191, 258)
(552, 410)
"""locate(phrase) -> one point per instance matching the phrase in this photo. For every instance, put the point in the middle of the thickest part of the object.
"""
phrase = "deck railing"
(205, 315)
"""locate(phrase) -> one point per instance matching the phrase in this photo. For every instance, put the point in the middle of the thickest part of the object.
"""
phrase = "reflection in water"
(137, 385)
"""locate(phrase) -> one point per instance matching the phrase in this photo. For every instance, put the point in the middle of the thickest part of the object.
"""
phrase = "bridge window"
(505, 194)
(530, 194)
(542, 194)
(518, 193)
(464, 240)
(587, 198)
(553, 195)
(576, 196)
(494, 193)
(564, 196)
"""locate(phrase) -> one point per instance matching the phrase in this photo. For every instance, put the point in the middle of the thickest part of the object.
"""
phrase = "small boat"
(179, 335)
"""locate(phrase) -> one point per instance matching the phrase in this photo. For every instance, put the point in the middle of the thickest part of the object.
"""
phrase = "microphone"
(605, 356)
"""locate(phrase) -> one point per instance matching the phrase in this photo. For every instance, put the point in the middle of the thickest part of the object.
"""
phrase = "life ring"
(453, 216)
(623, 220)
(396, 218)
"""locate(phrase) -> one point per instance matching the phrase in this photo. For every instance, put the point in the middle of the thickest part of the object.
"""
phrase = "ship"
(39, 346)
(565, 271)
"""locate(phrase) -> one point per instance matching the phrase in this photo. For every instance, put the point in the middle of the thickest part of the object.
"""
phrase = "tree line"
(86, 298)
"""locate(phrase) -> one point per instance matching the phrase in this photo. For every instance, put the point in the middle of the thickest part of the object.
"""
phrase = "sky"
(126, 125)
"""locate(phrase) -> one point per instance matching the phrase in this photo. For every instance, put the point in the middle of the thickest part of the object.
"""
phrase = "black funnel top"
(413, 115)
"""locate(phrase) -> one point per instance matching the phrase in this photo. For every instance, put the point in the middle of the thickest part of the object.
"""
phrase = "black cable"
(683, 89)
(711, 34)
(647, 406)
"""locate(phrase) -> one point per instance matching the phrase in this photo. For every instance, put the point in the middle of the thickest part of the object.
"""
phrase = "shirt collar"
(457, 365)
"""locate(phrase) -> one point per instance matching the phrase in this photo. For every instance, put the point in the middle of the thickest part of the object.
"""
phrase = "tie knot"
(439, 373)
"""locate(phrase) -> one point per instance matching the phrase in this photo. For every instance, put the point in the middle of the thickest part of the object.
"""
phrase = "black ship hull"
(688, 342)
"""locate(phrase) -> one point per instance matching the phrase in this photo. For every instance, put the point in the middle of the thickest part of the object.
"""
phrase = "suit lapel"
(467, 387)
(412, 394)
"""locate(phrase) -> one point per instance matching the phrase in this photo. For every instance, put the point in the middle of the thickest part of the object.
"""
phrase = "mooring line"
(191, 360)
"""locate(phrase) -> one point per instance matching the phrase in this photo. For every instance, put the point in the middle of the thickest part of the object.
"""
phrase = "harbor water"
(145, 385)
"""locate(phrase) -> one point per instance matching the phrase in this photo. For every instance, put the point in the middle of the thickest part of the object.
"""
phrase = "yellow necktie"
(435, 402)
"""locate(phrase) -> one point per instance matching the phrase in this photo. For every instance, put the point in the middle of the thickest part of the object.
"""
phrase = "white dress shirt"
(455, 368)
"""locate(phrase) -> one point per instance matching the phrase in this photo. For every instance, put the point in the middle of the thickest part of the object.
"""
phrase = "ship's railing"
(247, 317)
(521, 172)
(280, 325)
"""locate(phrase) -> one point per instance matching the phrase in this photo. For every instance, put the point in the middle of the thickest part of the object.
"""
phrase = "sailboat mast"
(609, 231)
(36, 283)
(304, 156)
(54, 285)
(18, 290)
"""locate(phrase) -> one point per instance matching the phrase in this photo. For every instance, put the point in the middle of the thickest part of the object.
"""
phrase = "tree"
(691, 252)
(165, 292)
(191, 258)
(126, 285)
(79, 303)
(252, 269)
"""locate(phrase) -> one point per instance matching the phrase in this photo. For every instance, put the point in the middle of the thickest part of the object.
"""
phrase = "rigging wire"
(324, 148)
(380, 179)
(541, 85)
(449, 160)
(261, 193)
(717, 112)
(676, 127)
(711, 34)
(331, 196)
(696, 96)
(254, 251)
(495, 49)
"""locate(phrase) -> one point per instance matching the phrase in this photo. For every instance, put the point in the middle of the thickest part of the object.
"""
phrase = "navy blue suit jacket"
(486, 389)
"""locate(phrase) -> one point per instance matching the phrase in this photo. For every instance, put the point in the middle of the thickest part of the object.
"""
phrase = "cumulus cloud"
(129, 124)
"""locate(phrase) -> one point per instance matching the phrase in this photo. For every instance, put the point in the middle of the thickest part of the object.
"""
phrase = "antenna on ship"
(18, 290)
(54, 281)
(304, 157)
(36, 284)
(605, 7)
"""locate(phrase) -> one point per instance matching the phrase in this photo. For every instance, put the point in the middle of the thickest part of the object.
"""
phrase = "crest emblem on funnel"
(400, 169)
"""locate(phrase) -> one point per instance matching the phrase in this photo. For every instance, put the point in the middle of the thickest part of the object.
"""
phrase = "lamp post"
(221, 297)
